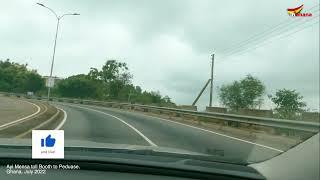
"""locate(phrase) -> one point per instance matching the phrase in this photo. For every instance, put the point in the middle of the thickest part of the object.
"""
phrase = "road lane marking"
(39, 125)
(231, 137)
(136, 130)
(64, 119)
(21, 119)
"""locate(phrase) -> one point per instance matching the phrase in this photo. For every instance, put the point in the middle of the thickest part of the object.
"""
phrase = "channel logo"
(297, 12)
(47, 144)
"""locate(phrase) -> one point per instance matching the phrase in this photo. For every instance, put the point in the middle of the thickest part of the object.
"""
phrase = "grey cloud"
(167, 44)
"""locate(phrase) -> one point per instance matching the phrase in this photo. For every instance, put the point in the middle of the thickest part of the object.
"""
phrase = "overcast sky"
(167, 43)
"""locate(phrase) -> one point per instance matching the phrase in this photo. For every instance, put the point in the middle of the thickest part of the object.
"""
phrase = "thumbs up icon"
(49, 142)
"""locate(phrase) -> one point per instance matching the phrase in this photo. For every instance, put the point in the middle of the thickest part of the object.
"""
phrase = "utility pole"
(211, 79)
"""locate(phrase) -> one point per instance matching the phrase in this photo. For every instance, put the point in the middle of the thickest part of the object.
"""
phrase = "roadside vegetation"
(113, 82)
(18, 78)
(248, 93)
(288, 103)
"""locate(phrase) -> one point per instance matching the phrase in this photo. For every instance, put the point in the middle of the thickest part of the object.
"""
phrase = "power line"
(265, 39)
(266, 32)
(273, 28)
(286, 35)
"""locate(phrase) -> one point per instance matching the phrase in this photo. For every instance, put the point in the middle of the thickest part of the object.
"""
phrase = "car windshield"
(214, 80)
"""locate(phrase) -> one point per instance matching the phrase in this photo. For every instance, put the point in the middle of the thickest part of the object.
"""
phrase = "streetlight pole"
(211, 83)
(55, 43)
(52, 62)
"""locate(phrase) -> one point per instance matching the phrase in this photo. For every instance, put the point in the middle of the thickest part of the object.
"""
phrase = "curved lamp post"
(55, 40)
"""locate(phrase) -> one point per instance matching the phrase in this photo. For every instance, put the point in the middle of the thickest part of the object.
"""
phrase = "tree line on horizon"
(113, 82)
(15, 77)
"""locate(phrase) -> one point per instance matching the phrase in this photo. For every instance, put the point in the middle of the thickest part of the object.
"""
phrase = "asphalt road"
(109, 125)
(12, 109)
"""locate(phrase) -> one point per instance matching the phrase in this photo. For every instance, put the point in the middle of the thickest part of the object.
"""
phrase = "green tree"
(114, 75)
(16, 77)
(288, 102)
(33, 82)
(112, 82)
(245, 93)
(138, 89)
(112, 70)
(79, 86)
(155, 97)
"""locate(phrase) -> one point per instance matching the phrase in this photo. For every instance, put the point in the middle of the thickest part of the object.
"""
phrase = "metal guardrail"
(270, 122)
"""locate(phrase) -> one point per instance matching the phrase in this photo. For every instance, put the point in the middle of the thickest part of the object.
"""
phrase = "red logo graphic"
(297, 12)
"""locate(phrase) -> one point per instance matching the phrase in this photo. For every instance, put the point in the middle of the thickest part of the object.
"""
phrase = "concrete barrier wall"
(311, 116)
(154, 111)
(127, 107)
(256, 112)
(115, 105)
(188, 107)
(216, 109)
(136, 108)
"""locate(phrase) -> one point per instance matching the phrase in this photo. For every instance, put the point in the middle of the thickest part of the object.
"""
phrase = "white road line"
(136, 130)
(38, 126)
(261, 145)
(64, 119)
(21, 119)
(231, 137)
